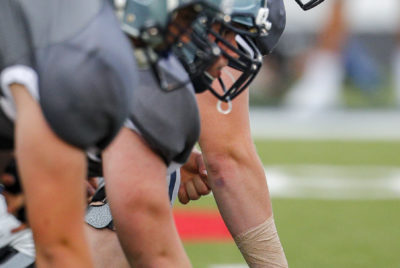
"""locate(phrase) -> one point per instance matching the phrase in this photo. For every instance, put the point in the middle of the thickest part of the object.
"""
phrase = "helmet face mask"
(308, 4)
(241, 55)
(248, 64)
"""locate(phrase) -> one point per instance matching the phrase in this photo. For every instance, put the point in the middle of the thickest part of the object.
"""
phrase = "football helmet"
(148, 20)
(247, 20)
(149, 23)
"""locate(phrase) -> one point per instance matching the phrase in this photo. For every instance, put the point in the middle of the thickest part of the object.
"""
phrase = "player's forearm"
(240, 189)
(242, 196)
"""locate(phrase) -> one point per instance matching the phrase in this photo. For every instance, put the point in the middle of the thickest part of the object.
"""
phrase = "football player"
(164, 123)
(67, 78)
(235, 172)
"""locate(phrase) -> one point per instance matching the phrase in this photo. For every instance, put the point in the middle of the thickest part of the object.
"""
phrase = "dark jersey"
(168, 121)
(83, 62)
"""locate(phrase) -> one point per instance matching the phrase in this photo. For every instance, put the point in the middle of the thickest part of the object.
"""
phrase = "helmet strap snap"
(228, 109)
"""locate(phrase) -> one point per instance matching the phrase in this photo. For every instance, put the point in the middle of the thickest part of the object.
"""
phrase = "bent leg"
(52, 175)
(136, 188)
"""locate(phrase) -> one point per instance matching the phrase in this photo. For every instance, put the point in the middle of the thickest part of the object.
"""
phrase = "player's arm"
(136, 188)
(59, 179)
(235, 173)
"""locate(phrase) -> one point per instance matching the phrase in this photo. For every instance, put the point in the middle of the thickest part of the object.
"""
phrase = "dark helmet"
(247, 19)
(148, 20)
(149, 23)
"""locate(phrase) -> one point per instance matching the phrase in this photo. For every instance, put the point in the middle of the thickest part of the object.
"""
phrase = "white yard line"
(334, 182)
(330, 182)
(334, 124)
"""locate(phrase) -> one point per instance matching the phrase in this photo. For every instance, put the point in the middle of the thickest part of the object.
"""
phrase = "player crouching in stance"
(163, 124)
(64, 90)
(229, 39)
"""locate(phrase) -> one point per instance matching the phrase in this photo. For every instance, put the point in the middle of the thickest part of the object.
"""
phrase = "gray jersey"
(83, 62)
(168, 121)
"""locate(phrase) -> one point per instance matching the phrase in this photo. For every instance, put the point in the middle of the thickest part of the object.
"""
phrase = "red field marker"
(201, 225)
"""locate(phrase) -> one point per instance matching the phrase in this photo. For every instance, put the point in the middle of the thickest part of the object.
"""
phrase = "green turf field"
(324, 233)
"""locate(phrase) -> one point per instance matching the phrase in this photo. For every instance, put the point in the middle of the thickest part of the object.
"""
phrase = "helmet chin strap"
(228, 101)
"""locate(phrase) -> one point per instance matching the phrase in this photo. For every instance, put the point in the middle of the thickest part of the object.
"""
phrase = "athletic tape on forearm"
(261, 247)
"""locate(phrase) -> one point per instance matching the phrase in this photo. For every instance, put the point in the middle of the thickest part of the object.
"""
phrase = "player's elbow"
(219, 160)
(232, 164)
(223, 164)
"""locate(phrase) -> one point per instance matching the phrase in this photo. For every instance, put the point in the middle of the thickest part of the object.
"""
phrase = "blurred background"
(325, 116)
(351, 46)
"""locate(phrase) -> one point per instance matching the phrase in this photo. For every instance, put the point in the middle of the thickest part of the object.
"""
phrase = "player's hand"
(193, 179)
